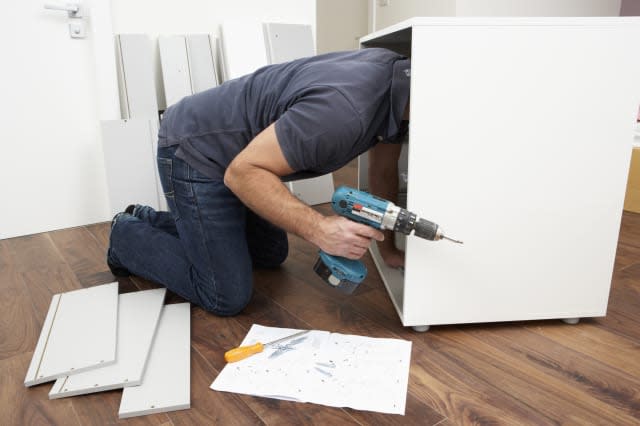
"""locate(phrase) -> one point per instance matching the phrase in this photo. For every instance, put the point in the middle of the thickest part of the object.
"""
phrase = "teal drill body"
(359, 206)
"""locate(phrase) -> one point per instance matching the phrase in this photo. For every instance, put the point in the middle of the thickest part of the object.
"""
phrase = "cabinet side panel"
(520, 144)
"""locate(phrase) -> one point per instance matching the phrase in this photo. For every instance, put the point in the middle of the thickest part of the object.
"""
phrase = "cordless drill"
(346, 274)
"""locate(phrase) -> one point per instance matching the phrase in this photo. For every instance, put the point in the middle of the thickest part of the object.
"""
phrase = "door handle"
(72, 9)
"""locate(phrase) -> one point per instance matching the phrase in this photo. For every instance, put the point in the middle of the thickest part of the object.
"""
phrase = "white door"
(51, 165)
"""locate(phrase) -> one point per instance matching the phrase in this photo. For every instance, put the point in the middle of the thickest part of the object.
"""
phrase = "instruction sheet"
(333, 369)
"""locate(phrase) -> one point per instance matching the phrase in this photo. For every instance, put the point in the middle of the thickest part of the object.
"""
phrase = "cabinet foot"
(420, 328)
(571, 321)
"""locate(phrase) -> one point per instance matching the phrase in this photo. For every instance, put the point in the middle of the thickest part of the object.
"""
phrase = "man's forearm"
(264, 193)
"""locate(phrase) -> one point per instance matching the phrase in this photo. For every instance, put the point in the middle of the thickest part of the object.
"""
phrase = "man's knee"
(225, 300)
(273, 258)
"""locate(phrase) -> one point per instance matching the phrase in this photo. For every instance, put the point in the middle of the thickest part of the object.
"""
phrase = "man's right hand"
(340, 236)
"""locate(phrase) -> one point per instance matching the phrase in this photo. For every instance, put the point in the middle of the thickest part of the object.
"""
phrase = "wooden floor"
(538, 373)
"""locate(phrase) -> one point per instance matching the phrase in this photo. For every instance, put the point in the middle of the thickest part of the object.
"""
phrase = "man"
(222, 157)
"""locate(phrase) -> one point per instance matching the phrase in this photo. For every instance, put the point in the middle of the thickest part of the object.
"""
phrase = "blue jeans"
(205, 247)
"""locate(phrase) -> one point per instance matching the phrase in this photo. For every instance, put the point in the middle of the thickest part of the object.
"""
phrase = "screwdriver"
(242, 352)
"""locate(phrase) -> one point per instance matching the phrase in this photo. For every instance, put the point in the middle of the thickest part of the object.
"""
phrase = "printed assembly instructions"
(332, 369)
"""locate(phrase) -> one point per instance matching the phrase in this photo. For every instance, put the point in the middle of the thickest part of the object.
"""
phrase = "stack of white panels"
(138, 100)
(94, 340)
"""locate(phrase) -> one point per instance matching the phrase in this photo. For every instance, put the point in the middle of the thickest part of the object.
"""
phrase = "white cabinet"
(519, 145)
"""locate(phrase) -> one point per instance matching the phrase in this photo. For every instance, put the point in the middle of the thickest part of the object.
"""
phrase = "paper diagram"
(325, 368)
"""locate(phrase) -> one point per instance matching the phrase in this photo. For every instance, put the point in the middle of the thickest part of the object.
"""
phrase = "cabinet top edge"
(619, 21)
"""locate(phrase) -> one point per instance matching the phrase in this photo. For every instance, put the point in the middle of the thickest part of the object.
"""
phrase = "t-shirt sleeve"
(318, 130)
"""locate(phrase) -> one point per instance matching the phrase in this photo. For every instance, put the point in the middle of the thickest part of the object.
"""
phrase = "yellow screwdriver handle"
(243, 352)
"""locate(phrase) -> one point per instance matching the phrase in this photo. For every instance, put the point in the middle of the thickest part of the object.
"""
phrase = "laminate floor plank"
(615, 388)
(630, 229)
(84, 255)
(29, 406)
(208, 407)
(19, 328)
(563, 401)
(589, 339)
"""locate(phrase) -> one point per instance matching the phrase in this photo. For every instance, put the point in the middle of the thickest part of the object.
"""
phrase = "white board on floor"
(130, 169)
(136, 78)
(244, 47)
(138, 317)
(167, 379)
(175, 68)
(202, 62)
(79, 333)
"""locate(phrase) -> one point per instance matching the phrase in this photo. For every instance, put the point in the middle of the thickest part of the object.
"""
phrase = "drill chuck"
(427, 230)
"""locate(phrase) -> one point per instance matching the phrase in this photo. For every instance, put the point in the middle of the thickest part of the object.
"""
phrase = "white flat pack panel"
(137, 82)
(244, 47)
(166, 382)
(519, 146)
(202, 62)
(79, 333)
(286, 42)
(175, 68)
(313, 191)
(129, 162)
(138, 317)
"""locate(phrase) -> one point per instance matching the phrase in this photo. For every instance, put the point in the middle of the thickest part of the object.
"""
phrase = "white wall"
(340, 24)
(164, 17)
(399, 10)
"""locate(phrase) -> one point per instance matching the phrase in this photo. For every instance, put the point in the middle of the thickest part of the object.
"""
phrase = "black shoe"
(118, 271)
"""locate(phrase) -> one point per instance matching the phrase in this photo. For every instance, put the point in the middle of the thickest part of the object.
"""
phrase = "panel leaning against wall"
(286, 42)
(138, 100)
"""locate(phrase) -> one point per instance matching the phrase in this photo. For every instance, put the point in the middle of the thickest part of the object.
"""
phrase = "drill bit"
(452, 240)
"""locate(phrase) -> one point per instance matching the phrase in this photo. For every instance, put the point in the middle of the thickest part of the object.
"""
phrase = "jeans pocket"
(165, 170)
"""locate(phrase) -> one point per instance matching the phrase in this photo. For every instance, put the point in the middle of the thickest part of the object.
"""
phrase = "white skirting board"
(79, 333)
(138, 317)
(167, 379)
(130, 169)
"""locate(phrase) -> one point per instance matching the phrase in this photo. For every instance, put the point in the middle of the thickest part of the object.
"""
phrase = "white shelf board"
(176, 75)
(244, 47)
(166, 382)
(286, 42)
(137, 82)
(79, 333)
(128, 147)
(138, 317)
(202, 61)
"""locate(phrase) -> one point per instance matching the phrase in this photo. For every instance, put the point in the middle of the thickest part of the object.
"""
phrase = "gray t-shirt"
(327, 110)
